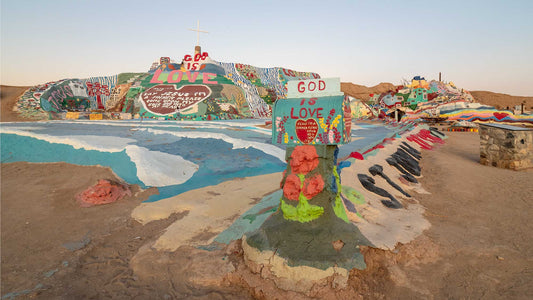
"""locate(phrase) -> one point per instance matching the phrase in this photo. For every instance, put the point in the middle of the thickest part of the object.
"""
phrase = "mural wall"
(198, 88)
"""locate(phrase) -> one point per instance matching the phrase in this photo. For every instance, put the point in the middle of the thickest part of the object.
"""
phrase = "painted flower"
(313, 186)
(304, 159)
(291, 189)
(330, 137)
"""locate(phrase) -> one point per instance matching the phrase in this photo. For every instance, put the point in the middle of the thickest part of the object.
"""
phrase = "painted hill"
(199, 88)
(498, 100)
(422, 100)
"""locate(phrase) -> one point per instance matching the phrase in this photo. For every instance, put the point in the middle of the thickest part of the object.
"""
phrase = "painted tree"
(310, 226)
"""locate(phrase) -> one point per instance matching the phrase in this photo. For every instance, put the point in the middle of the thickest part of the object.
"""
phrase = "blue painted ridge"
(251, 220)
(21, 148)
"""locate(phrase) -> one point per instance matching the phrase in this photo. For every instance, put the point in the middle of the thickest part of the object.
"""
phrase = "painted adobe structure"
(198, 88)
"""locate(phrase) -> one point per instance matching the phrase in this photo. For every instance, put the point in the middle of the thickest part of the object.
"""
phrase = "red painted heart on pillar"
(306, 130)
(165, 99)
(499, 115)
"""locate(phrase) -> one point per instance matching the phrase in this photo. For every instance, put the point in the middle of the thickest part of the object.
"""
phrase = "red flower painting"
(313, 186)
(291, 189)
(304, 159)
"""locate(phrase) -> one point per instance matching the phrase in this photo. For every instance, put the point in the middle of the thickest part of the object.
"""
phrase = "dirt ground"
(481, 225)
(479, 245)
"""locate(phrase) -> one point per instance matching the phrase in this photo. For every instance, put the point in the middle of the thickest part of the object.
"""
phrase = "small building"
(417, 95)
(506, 146)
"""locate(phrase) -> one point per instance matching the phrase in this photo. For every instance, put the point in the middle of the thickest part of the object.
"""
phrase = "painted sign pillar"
(315, 113)
(310, 227)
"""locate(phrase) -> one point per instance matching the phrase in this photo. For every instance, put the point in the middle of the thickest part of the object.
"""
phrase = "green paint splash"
(338, 207)
(354, 196)
(339, 210)
(303, 212)
(252, 217)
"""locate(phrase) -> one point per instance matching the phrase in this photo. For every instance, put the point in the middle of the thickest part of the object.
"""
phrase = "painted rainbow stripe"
(477, 115)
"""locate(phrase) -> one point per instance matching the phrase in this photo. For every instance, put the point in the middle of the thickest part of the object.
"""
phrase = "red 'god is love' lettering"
(311, 86)
(191, 76)
(306, 112)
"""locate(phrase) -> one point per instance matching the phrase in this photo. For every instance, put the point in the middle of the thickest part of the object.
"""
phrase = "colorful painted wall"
(420, 100)
(198, 88)
(360, 110)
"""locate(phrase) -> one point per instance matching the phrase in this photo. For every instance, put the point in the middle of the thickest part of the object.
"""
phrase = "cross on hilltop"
(198, 33)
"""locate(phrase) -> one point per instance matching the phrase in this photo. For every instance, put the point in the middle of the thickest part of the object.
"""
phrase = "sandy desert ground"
(479, 245)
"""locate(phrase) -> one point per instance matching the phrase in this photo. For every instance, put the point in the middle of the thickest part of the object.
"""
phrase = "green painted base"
(312, 243)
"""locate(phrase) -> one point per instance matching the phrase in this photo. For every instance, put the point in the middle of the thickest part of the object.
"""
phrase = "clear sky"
(479, 45)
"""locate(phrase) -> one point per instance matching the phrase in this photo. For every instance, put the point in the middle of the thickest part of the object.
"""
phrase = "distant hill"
(501, 101)
(8, 97)
(362, 92)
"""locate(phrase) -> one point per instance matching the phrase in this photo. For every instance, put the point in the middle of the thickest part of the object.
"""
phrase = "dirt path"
(51, 244)
(481, 225)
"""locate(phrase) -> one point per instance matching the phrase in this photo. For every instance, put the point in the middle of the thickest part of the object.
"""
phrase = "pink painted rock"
(104, 192)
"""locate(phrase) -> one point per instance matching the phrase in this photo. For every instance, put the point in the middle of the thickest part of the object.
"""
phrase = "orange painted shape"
(313, 186)
(103, 192)
(304, 159)
(291, 189)
(95, 117)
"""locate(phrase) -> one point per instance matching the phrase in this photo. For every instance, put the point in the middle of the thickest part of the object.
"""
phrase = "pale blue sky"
(479, 45)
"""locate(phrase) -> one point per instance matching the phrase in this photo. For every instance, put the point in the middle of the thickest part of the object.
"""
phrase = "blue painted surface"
(218, 162)
(251, 220)
(371, 135)
(21, 148)
(218, 159)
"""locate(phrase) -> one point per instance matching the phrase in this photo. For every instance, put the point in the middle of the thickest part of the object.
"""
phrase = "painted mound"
(421, 100)
(198, 88)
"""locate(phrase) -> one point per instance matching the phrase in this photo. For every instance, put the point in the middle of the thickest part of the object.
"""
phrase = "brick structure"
(506, 146)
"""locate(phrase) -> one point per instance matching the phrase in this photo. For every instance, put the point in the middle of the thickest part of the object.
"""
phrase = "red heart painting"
(499, 115)
(165, 99)
(306, 130)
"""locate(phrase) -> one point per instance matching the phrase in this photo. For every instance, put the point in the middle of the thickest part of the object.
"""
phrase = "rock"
(104, 192)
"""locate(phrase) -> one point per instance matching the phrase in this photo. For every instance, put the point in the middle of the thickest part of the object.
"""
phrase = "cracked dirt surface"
(479, 245)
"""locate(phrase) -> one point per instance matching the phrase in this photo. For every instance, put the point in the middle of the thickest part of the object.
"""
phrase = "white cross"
(198, 33)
